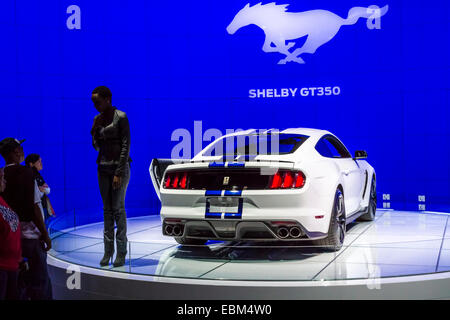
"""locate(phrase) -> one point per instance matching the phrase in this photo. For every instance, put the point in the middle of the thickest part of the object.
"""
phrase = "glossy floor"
(397, 243)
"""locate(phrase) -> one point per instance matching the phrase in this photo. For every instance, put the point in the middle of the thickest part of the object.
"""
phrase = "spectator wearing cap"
(22, 195)
(34, 161)
(111, 138)
(10, 250)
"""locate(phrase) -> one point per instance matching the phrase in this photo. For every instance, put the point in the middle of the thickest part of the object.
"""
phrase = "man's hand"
(47, 241)
(96, 125)
(44, 188)
(23, 265)
(97, 121)
(117, 182)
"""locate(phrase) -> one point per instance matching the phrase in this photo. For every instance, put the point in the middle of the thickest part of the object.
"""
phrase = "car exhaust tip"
(295, 232)
(283, 232)
(168, 229)
(177, 230)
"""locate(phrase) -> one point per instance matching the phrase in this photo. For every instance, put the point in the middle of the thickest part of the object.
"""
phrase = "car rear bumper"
(283, 230)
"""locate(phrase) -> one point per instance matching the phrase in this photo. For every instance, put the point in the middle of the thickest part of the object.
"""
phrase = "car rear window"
(257, 144)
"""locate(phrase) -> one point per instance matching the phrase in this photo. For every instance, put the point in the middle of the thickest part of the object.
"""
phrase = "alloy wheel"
(340, 216)
(373, 197)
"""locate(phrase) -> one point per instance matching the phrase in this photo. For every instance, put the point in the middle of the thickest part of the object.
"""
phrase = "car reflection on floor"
(395, 244)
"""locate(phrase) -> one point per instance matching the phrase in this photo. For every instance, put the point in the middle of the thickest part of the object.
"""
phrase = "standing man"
(22, 195)
(111, 138)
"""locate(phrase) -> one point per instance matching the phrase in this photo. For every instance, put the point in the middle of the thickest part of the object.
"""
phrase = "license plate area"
(224, 207)
(223, 204)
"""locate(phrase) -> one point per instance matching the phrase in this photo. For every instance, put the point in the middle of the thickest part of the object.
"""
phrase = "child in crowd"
(34, 161)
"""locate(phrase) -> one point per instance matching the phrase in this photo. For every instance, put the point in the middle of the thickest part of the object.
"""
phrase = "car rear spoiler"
(159, 166)
(157, 169)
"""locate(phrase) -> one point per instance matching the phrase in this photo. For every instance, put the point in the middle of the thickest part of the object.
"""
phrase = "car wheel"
(372, 207)
(337, 228)
(188, 241)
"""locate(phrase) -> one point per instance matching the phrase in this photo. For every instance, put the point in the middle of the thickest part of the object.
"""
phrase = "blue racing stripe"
(233, 216)
(213, 192)
(236, 164)
(216, 164)
(233, 193)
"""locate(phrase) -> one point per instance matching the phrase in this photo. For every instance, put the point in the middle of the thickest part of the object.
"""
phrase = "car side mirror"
(360, 154)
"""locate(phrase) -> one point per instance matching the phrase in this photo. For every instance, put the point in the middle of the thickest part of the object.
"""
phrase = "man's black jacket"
(112, 141)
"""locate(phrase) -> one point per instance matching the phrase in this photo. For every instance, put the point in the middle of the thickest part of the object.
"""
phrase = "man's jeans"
(114, 211)
(8, 285)
(35, 283)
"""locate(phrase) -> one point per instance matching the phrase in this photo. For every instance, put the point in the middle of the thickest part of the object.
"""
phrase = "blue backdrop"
(169, 64)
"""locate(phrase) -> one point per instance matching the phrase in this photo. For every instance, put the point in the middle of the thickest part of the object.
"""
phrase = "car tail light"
(176, 180)
(287, 179)
(168, 180)
(276, 181)
(183, 182)
(299, 180)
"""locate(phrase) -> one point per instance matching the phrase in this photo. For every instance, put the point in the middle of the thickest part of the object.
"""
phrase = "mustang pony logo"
(279, 26)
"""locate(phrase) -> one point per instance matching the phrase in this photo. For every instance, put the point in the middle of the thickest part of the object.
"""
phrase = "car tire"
(337, 228)
(189, 241)
(372, 207)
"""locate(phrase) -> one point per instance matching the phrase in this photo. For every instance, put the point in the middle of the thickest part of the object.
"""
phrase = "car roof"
(307, 132)
(315, 133)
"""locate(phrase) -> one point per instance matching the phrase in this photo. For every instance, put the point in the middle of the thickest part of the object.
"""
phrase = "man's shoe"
(120, 260)
(106, 259)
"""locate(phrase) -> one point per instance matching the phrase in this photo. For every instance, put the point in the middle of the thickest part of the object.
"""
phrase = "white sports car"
(297, 184)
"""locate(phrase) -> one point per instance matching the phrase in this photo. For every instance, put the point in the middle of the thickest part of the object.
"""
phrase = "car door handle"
(346, 172)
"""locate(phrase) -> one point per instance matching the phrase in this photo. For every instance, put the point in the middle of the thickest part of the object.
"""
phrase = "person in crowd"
(10, 249)
(34, 161)
(111, 138)
(22, 195)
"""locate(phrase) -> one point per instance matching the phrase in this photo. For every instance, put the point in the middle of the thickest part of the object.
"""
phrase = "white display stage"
(380, 259)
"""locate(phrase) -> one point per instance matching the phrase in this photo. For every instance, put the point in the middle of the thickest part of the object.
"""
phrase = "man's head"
(34, 160)
(101, 97)
(11, 150)
(2, 181)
